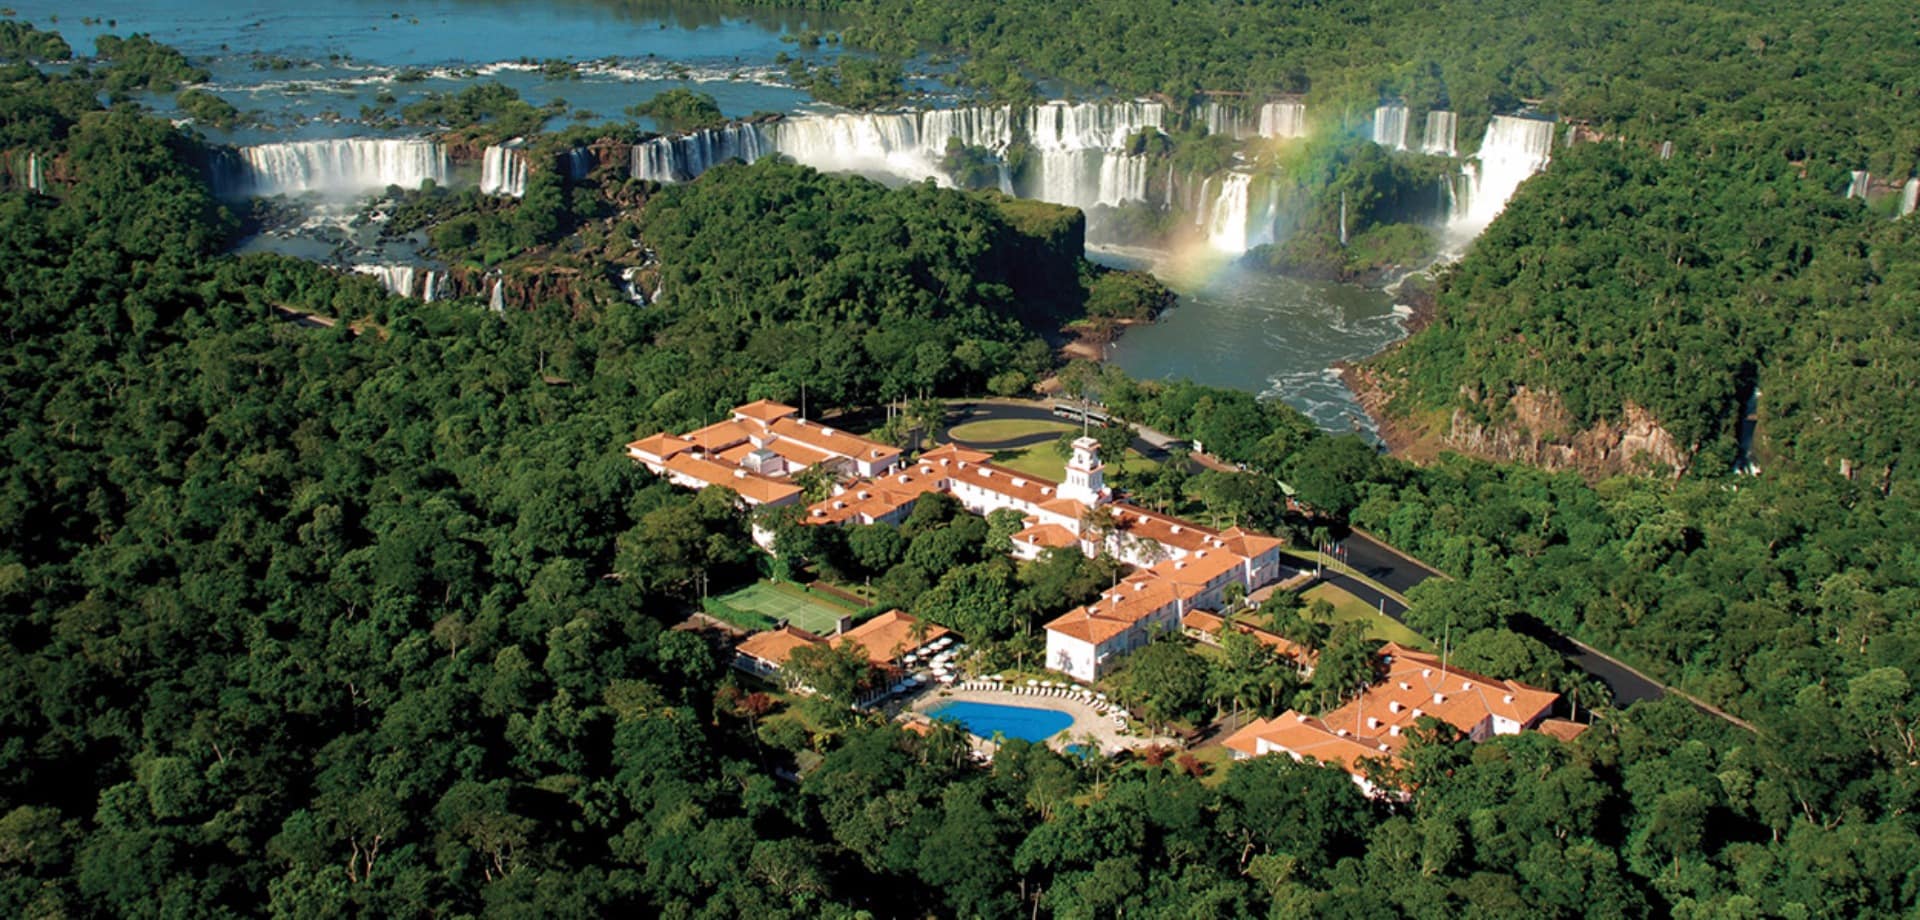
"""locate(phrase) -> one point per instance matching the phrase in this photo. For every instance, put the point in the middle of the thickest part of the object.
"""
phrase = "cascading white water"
(1090, 125)
(1515, 148)
(1862, 180)
(1666, 150)
(497, 301)
(1079, 156)
(990, 127)
(503, 169)
(1390, 126)
(36, 180)
(865, 143)
(1283, 119)
(1909, 197)
(397, 279)
(430, 290)
(1226, 121)
(344, 166)
(1122, 179)
(1439, 138)
(684, 158)
(1224, 216)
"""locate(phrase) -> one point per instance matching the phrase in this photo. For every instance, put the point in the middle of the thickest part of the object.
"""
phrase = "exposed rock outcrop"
(1537, 429)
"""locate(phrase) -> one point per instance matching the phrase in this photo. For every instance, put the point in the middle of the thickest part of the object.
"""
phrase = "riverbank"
(1274, 336)
(1403, 437)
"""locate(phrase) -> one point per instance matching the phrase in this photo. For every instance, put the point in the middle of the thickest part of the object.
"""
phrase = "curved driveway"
(1369, 557)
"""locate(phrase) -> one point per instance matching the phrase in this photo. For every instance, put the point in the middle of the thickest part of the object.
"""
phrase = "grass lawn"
(1043, 462)
(813, 612)
(1346, 608)
(1003, 429)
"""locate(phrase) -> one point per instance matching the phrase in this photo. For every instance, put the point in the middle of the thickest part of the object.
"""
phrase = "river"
(1249, 330)
(311, 70)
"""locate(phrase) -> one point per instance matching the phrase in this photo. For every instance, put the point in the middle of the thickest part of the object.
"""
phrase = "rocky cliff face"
(1538, 430)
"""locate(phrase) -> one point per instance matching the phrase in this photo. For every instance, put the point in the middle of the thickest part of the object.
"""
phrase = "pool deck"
(1086, 720)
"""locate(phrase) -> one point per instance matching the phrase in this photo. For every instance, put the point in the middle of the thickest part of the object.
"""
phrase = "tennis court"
(811, 612)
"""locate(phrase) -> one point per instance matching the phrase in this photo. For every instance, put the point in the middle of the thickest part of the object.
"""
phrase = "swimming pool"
(987, 719)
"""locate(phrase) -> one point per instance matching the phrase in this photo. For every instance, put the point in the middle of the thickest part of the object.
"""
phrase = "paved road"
(1369, 557)
(1381, 563)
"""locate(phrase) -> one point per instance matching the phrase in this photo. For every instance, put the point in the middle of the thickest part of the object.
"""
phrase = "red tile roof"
(765, 410)
(1307, 736)
(777, 645)
(751, 486)
(889, 636)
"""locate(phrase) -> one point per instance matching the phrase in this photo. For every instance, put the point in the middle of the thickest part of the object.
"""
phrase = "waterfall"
(497, 301)
(36, 179)
(578, 163)
(346, 166)
(1514, 149)
(989, 127)
(397, 279)
(1078, 152)
(1283, 119)
(1078, 158)
(866, 143)
(1122, 178)
(1909, 196)
(1343, 218)
(1858, 187)
(1441, 129)
(684, 158)
(1666, 150)
(1226, 121)
(1090, 125)
(1390, 126)
(907, 145)
(1224, 216)
(430, 291)
(503, 169)
(629, 289)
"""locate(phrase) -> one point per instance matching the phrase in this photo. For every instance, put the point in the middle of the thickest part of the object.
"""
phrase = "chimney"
(1394, 706)
(1508, 698)
(1438, 699)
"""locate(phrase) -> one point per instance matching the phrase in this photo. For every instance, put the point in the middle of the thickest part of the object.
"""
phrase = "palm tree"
(1580, 687)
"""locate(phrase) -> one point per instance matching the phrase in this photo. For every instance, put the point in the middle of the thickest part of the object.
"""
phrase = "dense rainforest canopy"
(375, 618)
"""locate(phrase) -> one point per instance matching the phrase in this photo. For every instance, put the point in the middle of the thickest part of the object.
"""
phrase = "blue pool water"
(987, 719)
